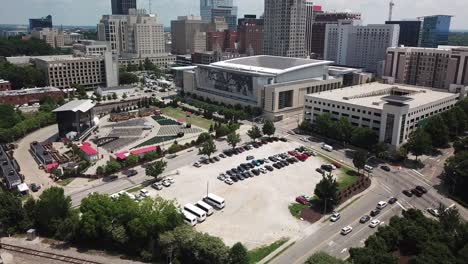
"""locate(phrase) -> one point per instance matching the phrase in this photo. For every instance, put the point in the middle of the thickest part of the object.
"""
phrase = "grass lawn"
(255, 255)
(135, 189)
(345, 179)
(178, 113)
(296, 208)
(156, 140)
(65, 182)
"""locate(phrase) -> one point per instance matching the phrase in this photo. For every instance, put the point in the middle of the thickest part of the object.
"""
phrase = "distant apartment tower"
(209, 9)
(285, 28)
(137, 33)
(250, 33)
(40, 23)
(435, 31)
(441, 68)
(51, 36)
(410, 32)
(189, 34)
(311, 11)
(121, 7)
(321, 20)
(351, 44)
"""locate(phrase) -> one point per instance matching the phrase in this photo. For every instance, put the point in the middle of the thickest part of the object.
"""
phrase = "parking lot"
(256, 211)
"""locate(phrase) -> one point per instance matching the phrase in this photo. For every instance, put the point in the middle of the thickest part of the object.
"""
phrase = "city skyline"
(372, 11)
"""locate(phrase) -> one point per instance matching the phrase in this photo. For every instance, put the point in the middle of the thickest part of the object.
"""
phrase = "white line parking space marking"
(388, 189)
(344, 250)
(402, 207)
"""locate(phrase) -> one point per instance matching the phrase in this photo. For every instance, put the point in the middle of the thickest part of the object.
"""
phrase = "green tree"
(124, 96)
(207, 148)
(326, 191)
(203, 137)
(149, 66)
(254, 133)
(114, 96)
(342, 130)
(436, 127)
(359, 159)
(364, 137)
(269, 128)
(419, 143)
(323, 124)
(238, 254)
(13, 218)
(112, 166)
(323, 258)
(132, 160)
(233, 139)
(100, 170)
(80, 91)
(127, 78)
(52, 208)
(156, 169)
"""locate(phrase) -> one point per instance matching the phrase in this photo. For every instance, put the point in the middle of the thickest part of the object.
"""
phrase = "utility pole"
(390, 11)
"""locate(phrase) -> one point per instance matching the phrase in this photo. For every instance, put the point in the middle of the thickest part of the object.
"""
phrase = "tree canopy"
(323, 258)
(419, 143)
(208, 148)
(254, 133)
(156, 169)
(233, 139)
(326, 191)
(268, 128)
(359, 159)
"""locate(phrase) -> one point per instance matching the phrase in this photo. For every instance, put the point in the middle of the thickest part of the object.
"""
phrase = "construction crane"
(390, 11)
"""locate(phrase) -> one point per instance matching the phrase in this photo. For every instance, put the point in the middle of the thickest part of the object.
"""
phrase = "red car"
(302, 157)
(292, 153)
(302, 200)
(337, 165)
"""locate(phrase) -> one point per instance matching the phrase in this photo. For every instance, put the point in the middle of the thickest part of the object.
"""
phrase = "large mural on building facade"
(228, 82)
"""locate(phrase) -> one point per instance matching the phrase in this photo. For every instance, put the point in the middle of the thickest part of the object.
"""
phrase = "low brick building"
(5, 85)
(29, 96)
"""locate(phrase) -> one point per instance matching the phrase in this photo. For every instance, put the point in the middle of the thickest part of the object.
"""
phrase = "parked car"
(302, 200)
(256, 172)
(158, 186)
(336, 164)
(421, 189)
(364, 219)
(326, 147)
(144, 193)
(319, 170)
(392, 200)
(381, 205)
(229, 182)
(374, 223)
(36, 187)
(417, 192)
(197, 164)
(327, 168)
(408, 193)
(433, 212)
(268, 167)
(234, 178)
(263, 170)
(222, 156)
(250, 158)
(385, 168)
(166, 183)
(346, 230)
(221, 178)
(131, 173)
(375, 212)
(216, 159)
(335, 216)
(110, 178)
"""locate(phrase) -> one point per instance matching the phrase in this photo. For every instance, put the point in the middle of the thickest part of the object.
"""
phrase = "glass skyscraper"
(223, 8)
(435, 31)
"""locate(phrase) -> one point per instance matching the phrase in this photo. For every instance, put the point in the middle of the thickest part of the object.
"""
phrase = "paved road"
(327, 238)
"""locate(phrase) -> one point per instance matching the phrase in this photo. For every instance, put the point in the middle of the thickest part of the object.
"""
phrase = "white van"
(199, 213)
(214, 200)
(368, 168)
(205, 207)
(327, 147)
(190, 218)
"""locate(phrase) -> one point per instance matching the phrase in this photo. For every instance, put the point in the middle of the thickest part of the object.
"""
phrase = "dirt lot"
(256, 211)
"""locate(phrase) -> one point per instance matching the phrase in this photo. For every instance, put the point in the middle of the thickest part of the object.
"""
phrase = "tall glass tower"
(435, 31)
(224, 8)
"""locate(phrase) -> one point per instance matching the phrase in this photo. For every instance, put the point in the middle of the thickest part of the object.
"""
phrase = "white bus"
(190, 218)
(199, 213)
(214, 200)
(205, 207)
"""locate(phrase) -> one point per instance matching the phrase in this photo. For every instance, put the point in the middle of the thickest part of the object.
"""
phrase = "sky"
(88, 12)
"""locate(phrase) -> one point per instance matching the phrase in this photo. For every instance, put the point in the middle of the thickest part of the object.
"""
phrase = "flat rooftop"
(75, 106)
(269, 64)
(37, 90)
(375, 95)
(53, 58)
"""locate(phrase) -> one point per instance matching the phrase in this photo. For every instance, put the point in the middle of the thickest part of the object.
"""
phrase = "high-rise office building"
(410, 32)
(443, 68)
(311, 11)
(188, 35)
(352, 44)
(435, 31)
(210, 9)
(285, 22)
(321, 20)
(250, 35)
(121, 7)
(136, 33)
(40, 23)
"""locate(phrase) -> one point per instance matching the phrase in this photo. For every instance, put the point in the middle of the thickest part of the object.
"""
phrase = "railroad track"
(47, 255)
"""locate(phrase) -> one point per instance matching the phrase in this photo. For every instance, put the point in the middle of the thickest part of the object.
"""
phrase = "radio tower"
(390, 11)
